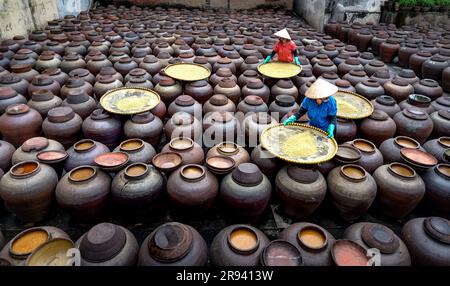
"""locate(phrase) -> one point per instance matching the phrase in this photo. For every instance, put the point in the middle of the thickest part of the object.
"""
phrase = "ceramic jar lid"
(184, 100)
(143, 118)
(438, 228)
(35, 144)
(7, 92)
(302, 175)
(281, 253)
(285, 100)
(170, 242)
(17, 109)
(414, 113)
(380, 237)
(60, 114)
(247, 174)
(102, 242)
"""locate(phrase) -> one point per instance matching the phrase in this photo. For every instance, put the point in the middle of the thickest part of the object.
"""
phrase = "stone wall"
(19, 17)
(313, 11)
(225, 4)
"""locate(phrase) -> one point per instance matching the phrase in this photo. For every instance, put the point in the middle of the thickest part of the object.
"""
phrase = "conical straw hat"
(283, 34)
(321, 89)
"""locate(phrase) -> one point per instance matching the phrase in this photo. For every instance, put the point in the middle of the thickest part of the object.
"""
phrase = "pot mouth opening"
(132, 145)
(228, 148)
(181, 143)
(84, 145)
(27, 241)
(402, 170)
(243, 240)
(444, 141)
(192, 172)
(136, 170)
(354, 172)
(406, 142)
(82, 173)
(364, 145)
(25, 168)
(312, 237)
(444, 169)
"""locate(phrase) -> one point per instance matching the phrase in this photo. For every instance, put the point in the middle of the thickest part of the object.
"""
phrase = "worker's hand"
(330, 130)
(296, 61)
(290, 120)
(267, 59)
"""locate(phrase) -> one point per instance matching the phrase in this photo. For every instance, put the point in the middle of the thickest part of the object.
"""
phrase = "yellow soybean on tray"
(279, 69)
(299, 143)
(129, 100)
(351, 105)
(187, 71)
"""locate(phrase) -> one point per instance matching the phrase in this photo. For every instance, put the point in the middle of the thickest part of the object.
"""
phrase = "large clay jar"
(83, 192)
(246, 192)
(391, 148)
(192, 188)
(301, 190)
(250, 63)
(416, 60)
(437, 189)
(254, 125)
(324, 66)
(378, 127)
(232, 150)
(103, 127)
(44, 82)
(370, 89)
(428, 87)
(107, 244)
(282, 105)
(442, 103)
(356, 76)
(229, 88)
(62, 125)
(137, 185)
(219, 126)
(417, 101)
(387, 104)
(313, 242)
(185, 103)
(9, 96)
(173, 244)
(343, 84)
(80, 102)
(246, 76)
(427, 241)
(138, 151)
(252, 104)
(409, 76)
(400, 189)
(433, 68)
(20, 123)
(104, 84)
(46, 61)
(200, 90)
(24, 71)
(398, 88)
(375, 66)
(389, 50)
(266, 162)
(441, 123)
(238, 245)
(83, 74)
(31, 147)
(221, 74)
(145, 126)
(393, 251)
(84, 152)
(405, 53)
(168, 89)
(371, 157)
(345, 130)
(183, 124)
(284, 87)
(190, 151)
(6, 152)
(352, 191)
(414, 123)
(256, 87)
(437, 147)
(446, 79)
(382, 77)
(151, 64)
(220, 103)
(17, 83)
(28, 190)
(125, 65)
(75, 83)
(44, 100)
(349, 65)
(97, 63)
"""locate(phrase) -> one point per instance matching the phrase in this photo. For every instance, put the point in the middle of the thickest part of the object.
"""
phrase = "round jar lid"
(102, 242)
(380, 237)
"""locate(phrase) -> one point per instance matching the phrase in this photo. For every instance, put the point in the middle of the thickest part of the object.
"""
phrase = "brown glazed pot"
(138, 151)
(301, 190)
(219, 103)
(416, 60)
(409, 76)
(378, 127)
(83, 74)
(382, 77)
(80, 102)
(137, 185)
(370, 89)
(256, 87)
(28, 190)
(20, 123)
(104, 84)
(168, 89)
(107, 244)
(192, 188)
(9, 96)
(227, 248)
(389, 50)
(282, 105)
(427, 241)
(145, 126)
(103, 127)
(84, 152)
(405, 53)
(345, 130)
(252, 104)
(437, 147)
(441, 123)
(390, 148)
(6, 152)
(15, 82)
(284, 87)
(31, 147)
(315, 252)
(185, 103)
(371, 157)
(76, 84)
(229, 88)
(355, 77)
(428, 87)
(433, 68)
(442, 103)
(173, 244)
(230, 149)
(245, 192)
(200, 90)
(246, 76)
(83, 192)
(219, 126)
(254, 125)
(62, 125)
(44, 100)
(190, 151)
(414, 123)
(387, 104)
(400, 189)
(349, 65)
(44, 82)
(373, 235)
(183, 124)
(375, 66)
(437, 185)
(266, 162)
(352, 191)
(220, 74)
(398, 88)
(417, 101)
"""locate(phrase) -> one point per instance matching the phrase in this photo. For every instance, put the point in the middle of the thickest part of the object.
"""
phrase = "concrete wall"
(225, 4)
(19, 17)
(313, 11)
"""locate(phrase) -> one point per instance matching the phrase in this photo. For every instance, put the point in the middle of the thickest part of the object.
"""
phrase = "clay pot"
(219, 126)
(43, 101)
(6, 152)
(104, 84)
(349, 65)
(427, 241)
(17, 83)
(84, 152)
(389, 50)
(29, 183)
(31, 147)
(373, 235)
(168, 89)
(83, 192)
(417, 101)
(442, 103)
(183, 124)
(125, 65)
(72, 61)
(137, 185)
(246, 192)
(344, 85)
(345, 130)
(219, 103)
(254, 125)
(433, 68)
(414, 123)
(446, 79)
(391, 147)
(437, 147)
(151, 64)
(370, 89)
(224, 63)
(46, 61)
(428, 87)
(324, 66)
(355, 77)
(398, 89)
(250, 63)
(190, 151)
(436, 182)
(138, 151)
(62, 125)
(145, 126)
(378, 127)
(20, 117)
(416, 61)
(246, 76)
(405, 53)
(107, 244)
(375, 66)
(266, 162)
(83, 74)
(365, 58)
(238, 245)
(382, 76)
(284, 87)
(352, 191)
(78, 84)
(9, 96)
(301, 190)
(102, 127)
(400, 189)
(256, 87)
(441, 123)
(371, 157)
(252, 104)
(313, 242)
(232, 150)
(387, 104)
(220, 74)
(173, 244)
(282, 105)
(97, 63)
(44, 82)
(80, 102)
(185, 103)
(229, 88)
(330, 77)
(192, 188)
(200, 90)
(24, 71)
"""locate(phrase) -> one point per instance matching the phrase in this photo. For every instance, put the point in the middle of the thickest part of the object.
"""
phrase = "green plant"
(407, 3)
(426, 3)
(442, 3)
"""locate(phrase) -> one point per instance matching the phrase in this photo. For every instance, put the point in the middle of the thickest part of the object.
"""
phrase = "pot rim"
(197, 178)
(23, 256)
(124, 149)
(91, 176)
(354, 179)
(191, 143)
(139, 176)
(398, 138)
(37, 168)
(241, 251)
(92, 146)
(393, 172)
(315, 228)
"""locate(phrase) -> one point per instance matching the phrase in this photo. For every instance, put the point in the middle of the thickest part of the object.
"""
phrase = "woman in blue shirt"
(320, 106)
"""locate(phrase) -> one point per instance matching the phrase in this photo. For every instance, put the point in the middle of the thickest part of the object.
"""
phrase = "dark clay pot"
(102, 127)
(75, 84)
(442, 103)
(219, 103)
(227, 248)
(252, 104)
(301, 190)
(378, 127)
(6, 152)
(9, 96)
(371, 157)
(44, 82)
(266, 162)
(190, 151)
(349, 65)
(356, 76)
(183, 124)
(282, 105)
(31, 147)
(387, 104)
(229, 88)
(391, 147)
(416, 60)
(428, 87)
(414, 123)
(437, 188)
(405, 53)
(345, 130)
(20, 123)
(373, 235)
(400, 189)
(398, 88)
(200, 90)
(441, 123)
(352, 191)
(375, 66)
(284, 87)
(84, 152)
(313, 242)
(256, 87)
(18, 84)
(80, 102)
(427, 241)
(138, 151)
(145, 126)
(417, 101)
(62, 125)
(433, 68)
(173, 244)
(168, 89)
(43, 101)
(409, 76)
(389, 50)
(370, 89)
(107, 244)
(192, 188)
